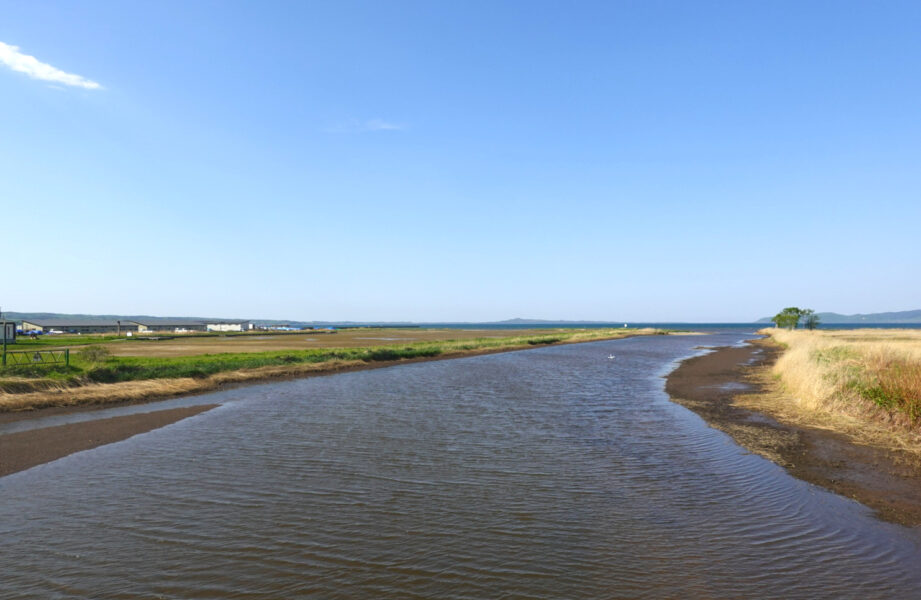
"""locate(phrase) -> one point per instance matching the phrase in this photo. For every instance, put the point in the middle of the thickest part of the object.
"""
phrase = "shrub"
(94, 354)
(547, 340)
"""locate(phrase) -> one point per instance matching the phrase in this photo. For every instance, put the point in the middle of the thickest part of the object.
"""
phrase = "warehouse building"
(69, 326)
(171, 325)
(145, 325)
(187, 325)
(228, 325)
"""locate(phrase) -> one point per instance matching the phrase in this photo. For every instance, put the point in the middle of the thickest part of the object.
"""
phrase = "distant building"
(171, 325)
(228, 325)
(151, 325)
(183, 325)
(69, 326)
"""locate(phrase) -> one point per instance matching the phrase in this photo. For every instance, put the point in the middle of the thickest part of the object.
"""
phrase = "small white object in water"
(611, 356)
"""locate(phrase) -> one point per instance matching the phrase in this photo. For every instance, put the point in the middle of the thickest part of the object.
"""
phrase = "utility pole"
(3, 323)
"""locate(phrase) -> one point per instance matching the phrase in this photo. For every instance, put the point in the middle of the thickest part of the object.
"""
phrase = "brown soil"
(25, 449)
(876, 477)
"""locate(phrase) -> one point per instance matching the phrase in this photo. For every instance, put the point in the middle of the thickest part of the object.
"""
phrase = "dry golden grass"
(865, 383)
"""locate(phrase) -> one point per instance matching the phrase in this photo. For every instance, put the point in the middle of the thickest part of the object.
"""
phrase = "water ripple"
(551, 473)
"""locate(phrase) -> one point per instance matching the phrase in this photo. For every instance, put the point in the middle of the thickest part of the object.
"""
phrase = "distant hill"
(520, 321)
(828, 318)
(885, 318)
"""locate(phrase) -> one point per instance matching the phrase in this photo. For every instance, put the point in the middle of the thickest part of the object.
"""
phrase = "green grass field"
(92, 363)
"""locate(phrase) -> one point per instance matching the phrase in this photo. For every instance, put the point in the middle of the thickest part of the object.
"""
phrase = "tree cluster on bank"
(790, 317)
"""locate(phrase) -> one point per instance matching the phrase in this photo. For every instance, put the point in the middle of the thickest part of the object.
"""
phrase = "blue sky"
(430, 161)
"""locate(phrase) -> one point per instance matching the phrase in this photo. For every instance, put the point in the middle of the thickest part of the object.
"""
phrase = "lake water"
(548, 473)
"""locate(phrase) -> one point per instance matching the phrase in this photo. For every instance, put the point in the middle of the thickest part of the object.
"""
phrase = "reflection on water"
(550, 473)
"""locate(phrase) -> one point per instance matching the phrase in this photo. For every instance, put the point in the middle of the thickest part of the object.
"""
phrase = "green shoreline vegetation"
(91, 366)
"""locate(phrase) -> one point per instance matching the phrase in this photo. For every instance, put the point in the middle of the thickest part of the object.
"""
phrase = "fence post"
(66, 357)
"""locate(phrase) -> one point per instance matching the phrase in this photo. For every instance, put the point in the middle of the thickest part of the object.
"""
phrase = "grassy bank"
(97, 377)
(68, 340)
(869, 375)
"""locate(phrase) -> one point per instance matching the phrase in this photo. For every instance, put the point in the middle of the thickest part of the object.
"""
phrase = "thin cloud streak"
(380, 125)
(34, 68)
(356, 126)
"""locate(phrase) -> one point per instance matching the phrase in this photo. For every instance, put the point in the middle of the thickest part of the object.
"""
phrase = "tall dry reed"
(861, 373)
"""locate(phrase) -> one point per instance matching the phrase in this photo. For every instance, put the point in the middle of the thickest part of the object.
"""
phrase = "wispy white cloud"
(381, 125)
(358, 126)
(31, 66)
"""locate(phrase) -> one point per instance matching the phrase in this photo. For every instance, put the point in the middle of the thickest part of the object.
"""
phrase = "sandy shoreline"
(872, 476)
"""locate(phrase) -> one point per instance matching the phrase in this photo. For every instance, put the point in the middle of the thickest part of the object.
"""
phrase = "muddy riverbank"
(876, 477)
(25, 449)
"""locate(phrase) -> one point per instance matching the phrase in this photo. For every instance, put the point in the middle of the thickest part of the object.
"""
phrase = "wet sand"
(23, 450)
(872, 476)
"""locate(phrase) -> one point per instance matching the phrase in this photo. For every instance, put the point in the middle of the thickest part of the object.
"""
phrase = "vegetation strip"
(96, 378)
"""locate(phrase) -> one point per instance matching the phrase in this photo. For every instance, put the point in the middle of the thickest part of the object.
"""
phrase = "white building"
(154, 324)
(228, 325)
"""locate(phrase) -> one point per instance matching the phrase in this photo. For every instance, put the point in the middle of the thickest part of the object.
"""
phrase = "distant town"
(24, 324)
(127, 326)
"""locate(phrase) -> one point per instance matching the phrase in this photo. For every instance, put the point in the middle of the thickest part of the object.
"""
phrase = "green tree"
(788, 318)
(810, 319)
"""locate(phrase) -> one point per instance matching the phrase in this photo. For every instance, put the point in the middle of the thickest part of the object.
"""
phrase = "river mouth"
(547, 473)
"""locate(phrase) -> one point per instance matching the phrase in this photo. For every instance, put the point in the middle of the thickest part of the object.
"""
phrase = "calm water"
(710, 327)
(549, 473)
